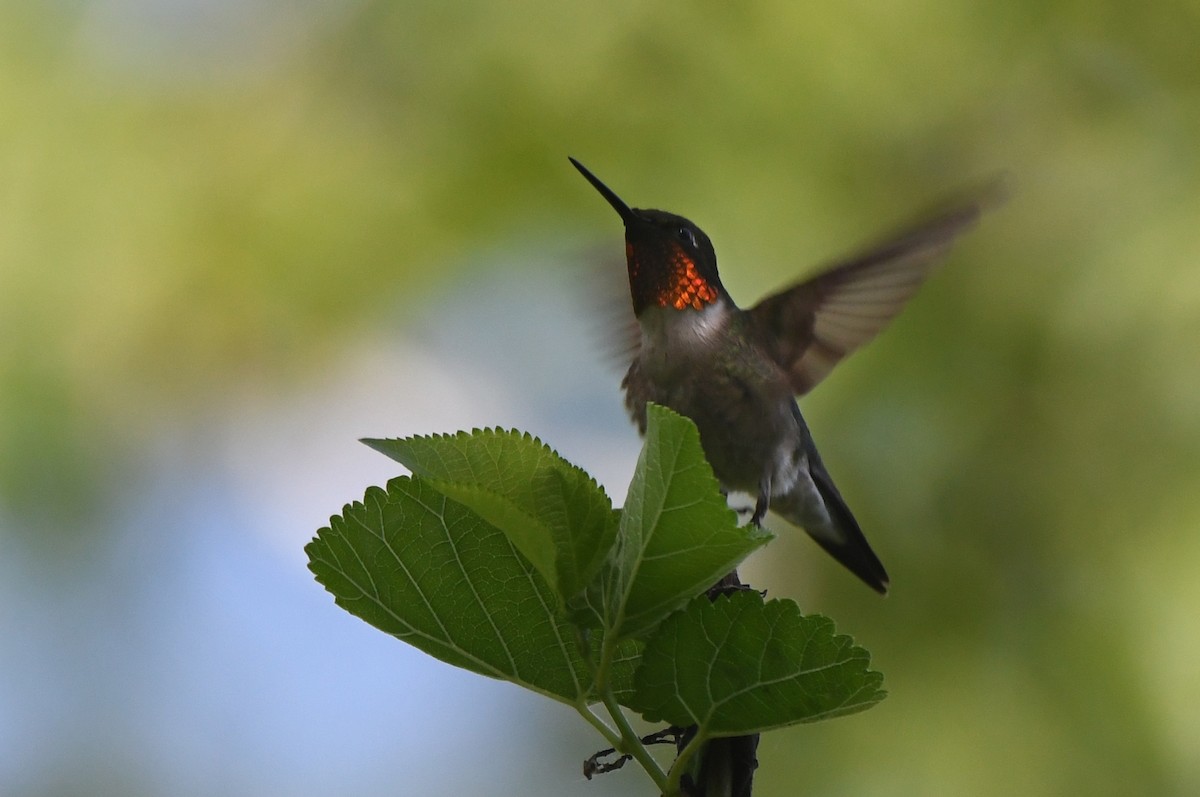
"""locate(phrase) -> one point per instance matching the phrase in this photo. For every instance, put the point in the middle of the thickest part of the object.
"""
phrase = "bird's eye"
(687, 236)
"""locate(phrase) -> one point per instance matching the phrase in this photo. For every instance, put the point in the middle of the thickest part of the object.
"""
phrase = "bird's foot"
(760, 509)
(598, 765)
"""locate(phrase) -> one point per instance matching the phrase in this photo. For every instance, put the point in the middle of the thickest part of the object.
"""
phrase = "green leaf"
(737, 666)
(677, 536)
(553, 512)
(433, 573)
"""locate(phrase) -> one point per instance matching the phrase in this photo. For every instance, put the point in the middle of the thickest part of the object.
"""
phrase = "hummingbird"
(736, 373)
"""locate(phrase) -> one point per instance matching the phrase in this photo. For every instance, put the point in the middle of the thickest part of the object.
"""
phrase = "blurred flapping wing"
(810, 327)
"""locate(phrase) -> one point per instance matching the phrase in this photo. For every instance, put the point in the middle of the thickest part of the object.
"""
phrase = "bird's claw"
(760, 510)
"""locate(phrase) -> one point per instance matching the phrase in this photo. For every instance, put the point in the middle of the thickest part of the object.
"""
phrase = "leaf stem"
(630, 743)
(683, 760)
(613, 738)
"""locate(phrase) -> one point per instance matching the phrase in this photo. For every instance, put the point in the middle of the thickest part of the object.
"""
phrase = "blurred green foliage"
(1023, 447)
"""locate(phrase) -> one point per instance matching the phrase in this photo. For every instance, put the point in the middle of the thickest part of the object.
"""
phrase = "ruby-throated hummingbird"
(736, 372)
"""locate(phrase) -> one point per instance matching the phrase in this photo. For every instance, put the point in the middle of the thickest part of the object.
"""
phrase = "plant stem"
(614, 739)
(627, 741)
(631, 744)
(683, 760)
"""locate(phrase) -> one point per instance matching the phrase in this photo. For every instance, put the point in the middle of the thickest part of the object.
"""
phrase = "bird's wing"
(808, 328)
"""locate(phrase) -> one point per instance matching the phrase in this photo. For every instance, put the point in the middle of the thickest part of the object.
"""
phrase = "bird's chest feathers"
(676, 342)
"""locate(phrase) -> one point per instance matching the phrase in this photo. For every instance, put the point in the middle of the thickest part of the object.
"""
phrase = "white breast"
(682, 333)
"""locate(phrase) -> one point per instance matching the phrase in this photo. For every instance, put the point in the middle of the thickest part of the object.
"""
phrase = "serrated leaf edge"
(482, 667)
(374, 443)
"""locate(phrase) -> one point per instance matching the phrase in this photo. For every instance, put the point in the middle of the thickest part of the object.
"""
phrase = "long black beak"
(624, 210)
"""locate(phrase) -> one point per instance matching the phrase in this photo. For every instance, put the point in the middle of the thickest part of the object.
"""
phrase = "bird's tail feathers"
(838, 532)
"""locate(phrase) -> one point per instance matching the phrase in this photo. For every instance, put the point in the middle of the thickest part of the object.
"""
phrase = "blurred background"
(237, 236)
